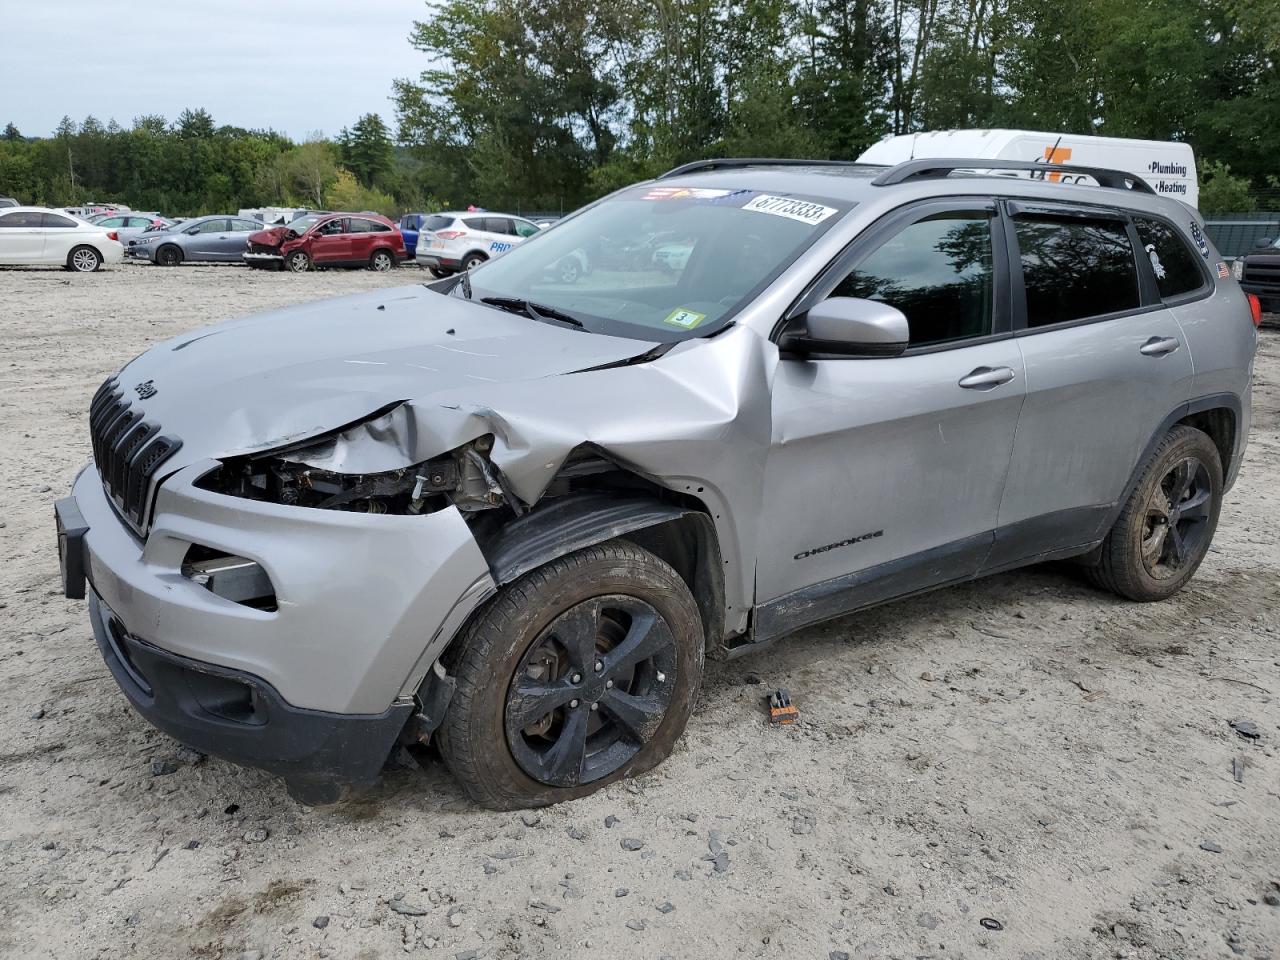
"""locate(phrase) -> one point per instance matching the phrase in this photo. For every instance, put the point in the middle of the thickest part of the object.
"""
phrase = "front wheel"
(1165, 528)
(576, 675)
(298, 262)
(168, 256)
(84, 260)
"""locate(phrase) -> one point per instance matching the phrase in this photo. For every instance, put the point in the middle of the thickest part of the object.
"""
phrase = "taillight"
(450, 234)
(112, 235)
(1255, 308)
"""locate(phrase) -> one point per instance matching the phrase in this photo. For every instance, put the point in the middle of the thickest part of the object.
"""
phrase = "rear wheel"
(1168, 522)
(569, 270)
(298, 262)
(381, 261)
(168, 256)
(473, 260)
(576, 675)
(84, 260)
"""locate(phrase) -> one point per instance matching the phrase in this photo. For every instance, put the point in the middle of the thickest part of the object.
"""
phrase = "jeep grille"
(127, 451)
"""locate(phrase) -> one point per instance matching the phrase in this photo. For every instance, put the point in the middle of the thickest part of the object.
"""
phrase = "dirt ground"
(1024, 750)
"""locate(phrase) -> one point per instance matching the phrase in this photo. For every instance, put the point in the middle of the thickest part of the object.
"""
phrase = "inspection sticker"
(685, 319)
(803, 210)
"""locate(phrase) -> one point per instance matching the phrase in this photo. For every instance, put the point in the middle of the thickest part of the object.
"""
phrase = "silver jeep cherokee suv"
(514, 515)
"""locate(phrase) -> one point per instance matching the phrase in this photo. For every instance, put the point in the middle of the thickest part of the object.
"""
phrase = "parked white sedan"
(36, 235)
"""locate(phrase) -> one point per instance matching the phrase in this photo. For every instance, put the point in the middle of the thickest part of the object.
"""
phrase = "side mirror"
(848, 327)
(1262, 242)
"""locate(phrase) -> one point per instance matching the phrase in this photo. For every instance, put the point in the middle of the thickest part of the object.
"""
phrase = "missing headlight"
(463, 477)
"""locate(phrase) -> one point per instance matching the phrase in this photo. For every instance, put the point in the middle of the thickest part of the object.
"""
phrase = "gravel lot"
(1024, 749)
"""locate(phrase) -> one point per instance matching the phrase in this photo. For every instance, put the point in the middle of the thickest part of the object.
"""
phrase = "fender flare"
(563, 526)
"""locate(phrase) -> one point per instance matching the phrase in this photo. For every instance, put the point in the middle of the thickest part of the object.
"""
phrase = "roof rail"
(729, 162)
(932, 169)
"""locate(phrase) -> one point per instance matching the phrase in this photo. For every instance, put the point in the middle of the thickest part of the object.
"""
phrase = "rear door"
(1105, 362)
(236, 239)
(21, 237)
(885, 474)
(362, 237)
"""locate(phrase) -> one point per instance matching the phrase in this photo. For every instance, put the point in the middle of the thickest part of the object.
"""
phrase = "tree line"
(546, 104)
(193, 166)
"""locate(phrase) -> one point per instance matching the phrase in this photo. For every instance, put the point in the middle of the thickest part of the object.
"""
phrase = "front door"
(331, 243)
(1106, 363)
(885, 474)
(207, 240)
(21, 237)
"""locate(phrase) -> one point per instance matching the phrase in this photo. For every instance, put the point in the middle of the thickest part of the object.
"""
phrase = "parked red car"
(328, 240)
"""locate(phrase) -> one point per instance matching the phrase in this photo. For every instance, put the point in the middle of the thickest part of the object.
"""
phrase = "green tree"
(1221, 191)
(11, 132)
(366, 149)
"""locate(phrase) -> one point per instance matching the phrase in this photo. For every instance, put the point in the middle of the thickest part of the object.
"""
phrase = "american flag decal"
(1223, 270)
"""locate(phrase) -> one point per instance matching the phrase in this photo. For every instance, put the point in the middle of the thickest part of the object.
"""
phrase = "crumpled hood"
(271, 237)
(280, 377)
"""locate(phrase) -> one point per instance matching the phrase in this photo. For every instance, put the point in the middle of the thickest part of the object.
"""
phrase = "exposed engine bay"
(464, 478)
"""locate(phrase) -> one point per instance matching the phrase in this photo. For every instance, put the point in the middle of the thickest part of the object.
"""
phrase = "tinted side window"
(1177, 269)
(477, 223)
(54, 220)
(436, 222)
(502, 225)
(1074, 269)
(24, 220)
(938, 271)
(375, 227)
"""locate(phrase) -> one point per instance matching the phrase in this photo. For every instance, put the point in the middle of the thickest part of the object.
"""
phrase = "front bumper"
(242, 718)
(364, 603)
(140, 252)
(261, 259)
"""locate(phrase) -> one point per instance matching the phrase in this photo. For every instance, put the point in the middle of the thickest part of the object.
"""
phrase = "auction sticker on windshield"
(684, 319)
(803, 210)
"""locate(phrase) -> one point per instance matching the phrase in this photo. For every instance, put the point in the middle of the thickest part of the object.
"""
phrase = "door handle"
(1159, 346)
(985, 378)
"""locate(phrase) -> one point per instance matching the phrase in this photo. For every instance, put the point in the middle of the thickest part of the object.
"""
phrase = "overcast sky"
(292, 65)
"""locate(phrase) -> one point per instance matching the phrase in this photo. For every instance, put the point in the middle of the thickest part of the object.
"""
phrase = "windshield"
(659, 262)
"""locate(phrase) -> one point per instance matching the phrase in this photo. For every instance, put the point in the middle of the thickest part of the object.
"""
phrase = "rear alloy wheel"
(84, 260)
(1168, 522)
(381, 261)
(576, 675)
(168, 256)
(473, 261)
(298, 262)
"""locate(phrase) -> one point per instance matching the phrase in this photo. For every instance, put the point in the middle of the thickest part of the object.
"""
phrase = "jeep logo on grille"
(146, 389)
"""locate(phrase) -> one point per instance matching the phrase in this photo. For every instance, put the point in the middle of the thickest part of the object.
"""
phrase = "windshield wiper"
(535, 311)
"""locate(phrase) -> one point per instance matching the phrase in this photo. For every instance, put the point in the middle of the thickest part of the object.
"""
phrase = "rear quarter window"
(436, 222)
(1176, 267)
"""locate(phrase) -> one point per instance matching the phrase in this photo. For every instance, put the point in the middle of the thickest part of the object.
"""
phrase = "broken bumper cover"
(242, 718)
(255, 259)
(315, 690)
(364, 603)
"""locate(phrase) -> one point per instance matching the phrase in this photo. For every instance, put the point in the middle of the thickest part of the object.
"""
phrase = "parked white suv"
(450, 242)
(34, 235)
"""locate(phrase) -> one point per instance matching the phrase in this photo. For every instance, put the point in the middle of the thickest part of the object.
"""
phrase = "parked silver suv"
(513, 515)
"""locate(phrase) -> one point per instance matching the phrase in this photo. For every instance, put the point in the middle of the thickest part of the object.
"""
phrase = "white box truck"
(1170, 168)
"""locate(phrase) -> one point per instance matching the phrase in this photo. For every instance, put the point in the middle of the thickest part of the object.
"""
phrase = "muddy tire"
(1168, 522)
(169, 256)
(83, 260)
(298, 262)
(576, 675)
